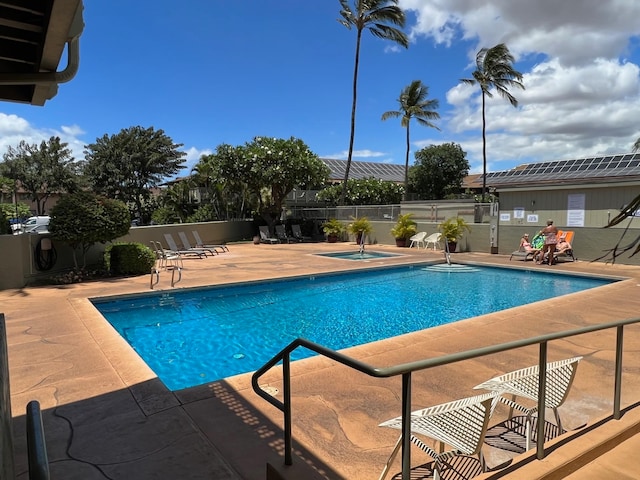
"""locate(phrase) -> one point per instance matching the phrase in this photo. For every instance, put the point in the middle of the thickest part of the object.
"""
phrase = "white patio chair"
(187, 245)
(461, 424)
(524, 383)
(418, 240)
(265, 236)
(433, 239)
(200, 244)
(192, 252)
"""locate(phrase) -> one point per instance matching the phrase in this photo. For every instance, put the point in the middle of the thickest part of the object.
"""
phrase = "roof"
(33, 37)
(391, 172)
(603, 169)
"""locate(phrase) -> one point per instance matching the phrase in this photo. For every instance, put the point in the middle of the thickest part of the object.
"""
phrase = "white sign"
(575, 210)
(532, 218)
(518, 212)
(505, 217)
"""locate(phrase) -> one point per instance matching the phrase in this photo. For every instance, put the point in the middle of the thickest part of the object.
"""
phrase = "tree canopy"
(41, 170)
(439, 171)
(125, 166)
(267, 169)
(367, 191)
(82, 219)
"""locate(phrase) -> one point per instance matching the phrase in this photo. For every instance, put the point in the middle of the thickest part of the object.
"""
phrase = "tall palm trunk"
(484, 151)
(353, 119)
(406, 167)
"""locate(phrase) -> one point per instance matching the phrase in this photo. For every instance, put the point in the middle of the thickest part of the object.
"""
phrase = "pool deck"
(107, 416)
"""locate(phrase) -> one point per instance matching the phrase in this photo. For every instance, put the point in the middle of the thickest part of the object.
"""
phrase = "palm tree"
(376, 15)
(636, 146)
(413, 104)
(494, 69)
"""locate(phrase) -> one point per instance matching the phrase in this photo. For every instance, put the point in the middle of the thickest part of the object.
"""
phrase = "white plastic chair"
(524, 383)
(433, 239)
(418, 240)
(461, 424)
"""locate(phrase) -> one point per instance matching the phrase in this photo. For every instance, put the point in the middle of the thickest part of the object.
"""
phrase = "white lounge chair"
(187, 253)
(461, 424)
(166, 259)
(216, 246)
(433, 239)
(418, 240)
(524, 383)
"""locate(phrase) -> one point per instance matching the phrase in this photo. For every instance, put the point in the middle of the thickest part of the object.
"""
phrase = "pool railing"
(406, 369)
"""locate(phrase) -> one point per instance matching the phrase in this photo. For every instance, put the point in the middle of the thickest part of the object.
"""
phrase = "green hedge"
(128, 259)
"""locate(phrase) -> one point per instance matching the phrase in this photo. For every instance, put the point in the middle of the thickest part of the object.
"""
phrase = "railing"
(407, 369)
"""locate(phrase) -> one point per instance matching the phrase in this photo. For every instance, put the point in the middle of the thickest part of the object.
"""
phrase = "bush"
(129, 259)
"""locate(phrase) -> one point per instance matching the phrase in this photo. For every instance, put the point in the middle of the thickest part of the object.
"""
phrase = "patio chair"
(461, 424)
(193, 253)
(265, 236)
(566, 254)
(281, 233)
(297, 233)
(200, 244)
(166, 259)
(418, 239)
(187, 246)
(536, 245)
(433, 239)
(524, 383)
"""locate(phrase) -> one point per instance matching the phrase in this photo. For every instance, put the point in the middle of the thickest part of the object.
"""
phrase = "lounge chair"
(433, 239)
(566, 254)
(524, 383)
(187, 246)
(297, 234)
(461, 424)
(281, 233)
(193, 253)
(537, 243)
(200, 244)
(265, 236)
(418, 239)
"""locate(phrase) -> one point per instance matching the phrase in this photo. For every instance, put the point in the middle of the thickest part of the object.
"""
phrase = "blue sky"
(209, 72)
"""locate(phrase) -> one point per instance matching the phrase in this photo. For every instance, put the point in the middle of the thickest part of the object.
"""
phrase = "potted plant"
(358, 227)
(452, 230)
(404, 229)
(333, 228)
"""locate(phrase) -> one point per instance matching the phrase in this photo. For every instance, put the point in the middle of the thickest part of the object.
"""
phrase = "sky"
(212, 72)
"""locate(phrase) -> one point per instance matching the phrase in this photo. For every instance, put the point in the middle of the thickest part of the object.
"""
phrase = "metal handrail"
(406, 369)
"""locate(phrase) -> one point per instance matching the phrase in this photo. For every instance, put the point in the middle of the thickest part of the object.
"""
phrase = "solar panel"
(609, 166)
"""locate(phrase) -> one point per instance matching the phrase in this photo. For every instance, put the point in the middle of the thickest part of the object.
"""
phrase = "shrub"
(128, 259)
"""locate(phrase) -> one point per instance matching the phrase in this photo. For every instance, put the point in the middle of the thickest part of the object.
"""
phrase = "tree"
(125, 166)
(636, 146)
(366, 191)
(494, 69)
(439, 171)
(82, 219)
(413, 104)
(41, 170)
(272, 167)
(376, 15)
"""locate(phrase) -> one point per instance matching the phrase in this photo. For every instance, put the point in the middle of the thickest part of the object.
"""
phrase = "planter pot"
(332, 238)
(256, 240)
(401, 242)
(452, 246)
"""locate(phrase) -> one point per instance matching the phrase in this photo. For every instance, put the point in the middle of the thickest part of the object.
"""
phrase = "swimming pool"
(196, 336)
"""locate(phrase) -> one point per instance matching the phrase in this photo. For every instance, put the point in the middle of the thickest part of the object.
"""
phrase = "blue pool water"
(196, 336)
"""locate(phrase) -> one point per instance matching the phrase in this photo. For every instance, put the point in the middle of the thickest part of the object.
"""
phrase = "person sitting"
(525, 245)
(562, 245)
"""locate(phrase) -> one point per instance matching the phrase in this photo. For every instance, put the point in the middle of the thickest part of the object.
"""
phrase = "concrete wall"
(18, 266)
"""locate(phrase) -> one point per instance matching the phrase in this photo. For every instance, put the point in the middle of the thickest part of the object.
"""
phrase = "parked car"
(39, 224)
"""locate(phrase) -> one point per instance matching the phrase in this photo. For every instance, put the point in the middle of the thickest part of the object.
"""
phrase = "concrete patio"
(106, 415)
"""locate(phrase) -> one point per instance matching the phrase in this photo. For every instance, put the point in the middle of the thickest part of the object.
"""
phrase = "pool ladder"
(155, 274)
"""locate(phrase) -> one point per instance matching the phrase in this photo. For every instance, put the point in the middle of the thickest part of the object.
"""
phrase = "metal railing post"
(286, 382)
(542, 400)
(406, 426)
(618, 373)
